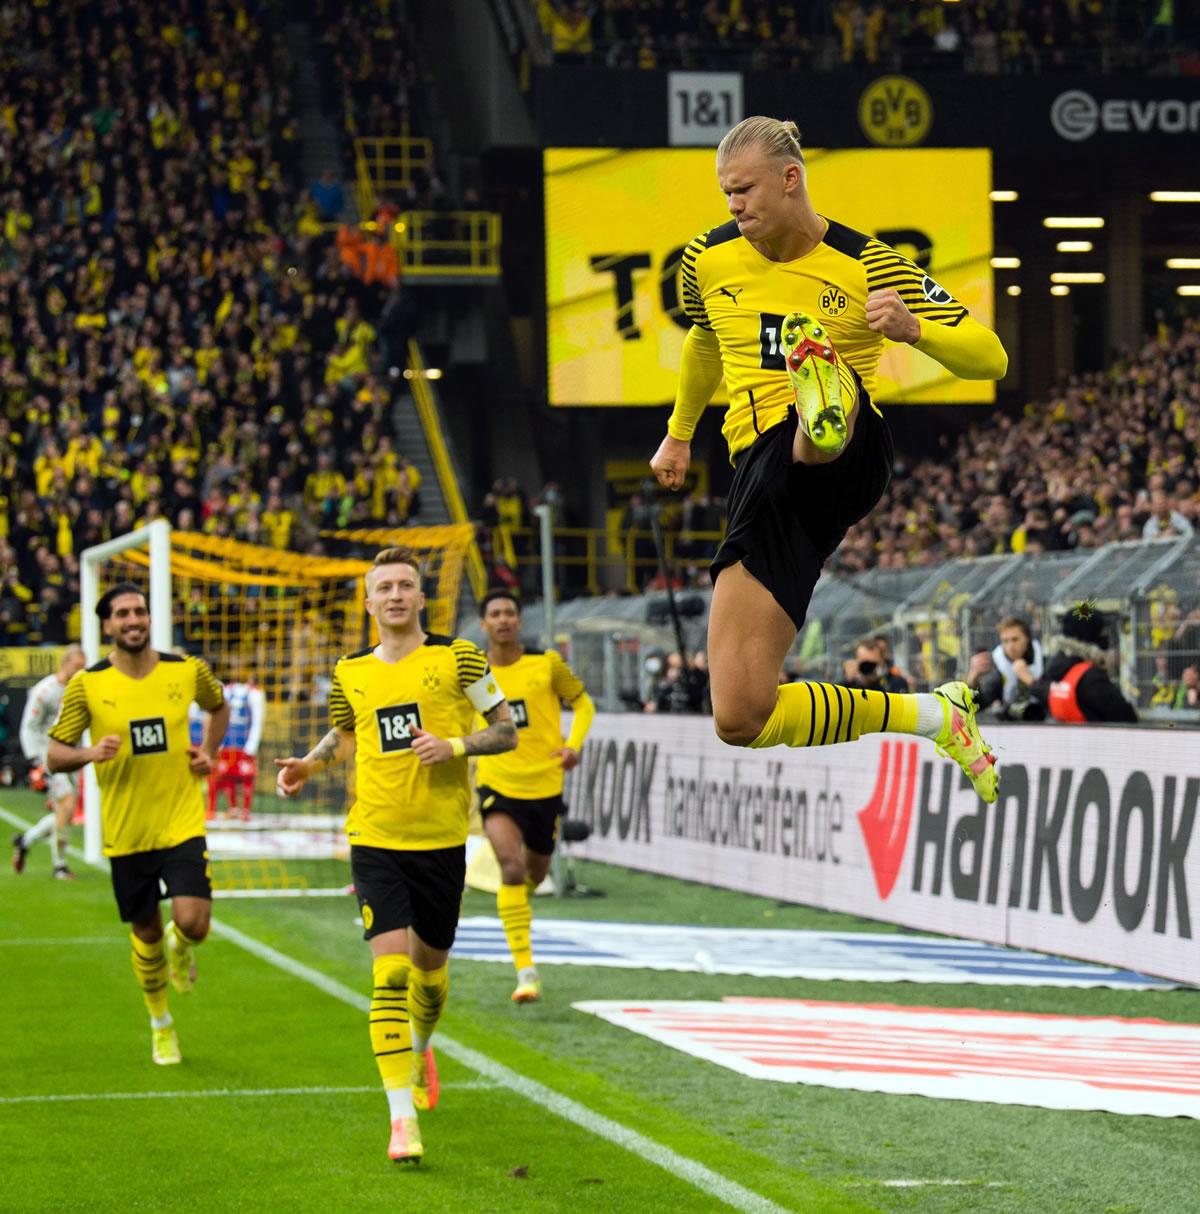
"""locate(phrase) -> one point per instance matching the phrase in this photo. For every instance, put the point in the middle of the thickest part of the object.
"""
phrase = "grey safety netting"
(936, 616)
(1022, 585)
(1161, 633)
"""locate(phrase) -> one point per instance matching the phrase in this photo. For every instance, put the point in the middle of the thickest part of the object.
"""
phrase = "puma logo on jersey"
(733, 294)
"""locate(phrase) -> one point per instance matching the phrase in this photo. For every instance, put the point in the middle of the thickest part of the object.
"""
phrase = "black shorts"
(537, 818)
(418, 889)
(143, 878)
(786, 519)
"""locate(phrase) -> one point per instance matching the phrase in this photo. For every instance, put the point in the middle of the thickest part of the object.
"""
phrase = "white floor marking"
(711, 1183)
(919, 1184)
(77, 1097)
(56, 941)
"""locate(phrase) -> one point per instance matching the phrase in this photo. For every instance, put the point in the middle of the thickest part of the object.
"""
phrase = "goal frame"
(156, 537)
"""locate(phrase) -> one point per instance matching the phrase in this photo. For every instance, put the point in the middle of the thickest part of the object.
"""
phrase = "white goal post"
(157, 538)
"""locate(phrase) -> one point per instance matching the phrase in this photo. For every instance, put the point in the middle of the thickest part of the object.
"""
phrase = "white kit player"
(41, 711)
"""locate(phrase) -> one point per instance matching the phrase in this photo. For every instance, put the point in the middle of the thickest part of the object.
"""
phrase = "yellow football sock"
(427, 991)
(531, 885)
(391, 1040)
(150, 969)
(512, 901)
(820, 714)
(185, 944)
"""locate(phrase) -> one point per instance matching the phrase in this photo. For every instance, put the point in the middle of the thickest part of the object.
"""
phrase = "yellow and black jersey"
(438, 688)
(149, 797)
(536, 686)
(733, 292)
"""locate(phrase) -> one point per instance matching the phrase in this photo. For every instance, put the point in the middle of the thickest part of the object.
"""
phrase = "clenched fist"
(888, 314)
(670, 462)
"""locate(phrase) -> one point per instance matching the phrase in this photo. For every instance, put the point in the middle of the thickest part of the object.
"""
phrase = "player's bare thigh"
(508, 844)
(405, 941)
(193, 917)
(749, 635)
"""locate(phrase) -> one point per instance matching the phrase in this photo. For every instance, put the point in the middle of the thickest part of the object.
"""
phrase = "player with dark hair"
(151, 778)
(520, 793)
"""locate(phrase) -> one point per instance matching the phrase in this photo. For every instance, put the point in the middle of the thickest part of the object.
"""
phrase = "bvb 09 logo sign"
(895, 112)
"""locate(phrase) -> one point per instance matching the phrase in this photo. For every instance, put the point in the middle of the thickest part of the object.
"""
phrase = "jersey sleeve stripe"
(471, 662)
(567, 685)
(340, 712)
(210, 695)
(73, 717)
(693, 300)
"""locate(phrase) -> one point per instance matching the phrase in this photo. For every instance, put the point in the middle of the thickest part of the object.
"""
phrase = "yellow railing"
(384, 165)
(431, 424)
(455, 244)
(630, 555)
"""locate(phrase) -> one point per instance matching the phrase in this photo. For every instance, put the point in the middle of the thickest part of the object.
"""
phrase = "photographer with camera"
(870, 670)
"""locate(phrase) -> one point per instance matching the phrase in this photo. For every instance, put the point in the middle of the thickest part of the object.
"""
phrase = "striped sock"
(391, 1040)
(822, 714)
(512, 901)
(427, 993)
(150, 969)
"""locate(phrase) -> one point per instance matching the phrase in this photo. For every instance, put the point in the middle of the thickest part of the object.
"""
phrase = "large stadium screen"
(617, 221)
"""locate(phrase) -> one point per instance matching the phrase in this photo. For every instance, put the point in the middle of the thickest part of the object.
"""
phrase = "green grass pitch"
(229, 1131)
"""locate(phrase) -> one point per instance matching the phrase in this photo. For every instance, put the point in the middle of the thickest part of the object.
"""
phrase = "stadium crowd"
(178, 335)
(984, 36)
(1114, 456)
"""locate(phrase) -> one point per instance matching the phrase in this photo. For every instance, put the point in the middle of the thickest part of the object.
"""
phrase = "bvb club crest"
(832, 300)
(431, 680)
(174, 692)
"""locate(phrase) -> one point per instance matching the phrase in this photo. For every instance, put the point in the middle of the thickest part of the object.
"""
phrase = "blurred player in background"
(41, 711)
(793, 309)
(403, 711)
(237, 763)
(520, 793)
(135, 702)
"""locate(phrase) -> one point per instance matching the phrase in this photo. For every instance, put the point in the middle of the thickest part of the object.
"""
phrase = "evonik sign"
(1076, 115)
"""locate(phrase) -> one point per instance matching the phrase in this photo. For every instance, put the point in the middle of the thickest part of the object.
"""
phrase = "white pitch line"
(220, 895)
(920, 1184)
(76, 1097)
(711, 1183)
(55, 941)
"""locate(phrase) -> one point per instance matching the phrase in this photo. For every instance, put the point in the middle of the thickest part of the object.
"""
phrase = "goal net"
(275, 623)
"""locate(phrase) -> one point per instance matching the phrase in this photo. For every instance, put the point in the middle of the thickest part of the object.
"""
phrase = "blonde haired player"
(41, 711)
(793, 309)
(403, 710)
(135, 702)
(520, 793)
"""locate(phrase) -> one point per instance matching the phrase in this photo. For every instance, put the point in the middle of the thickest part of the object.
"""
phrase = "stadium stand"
(178, 333)
(986, 36)
(1030, 485)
